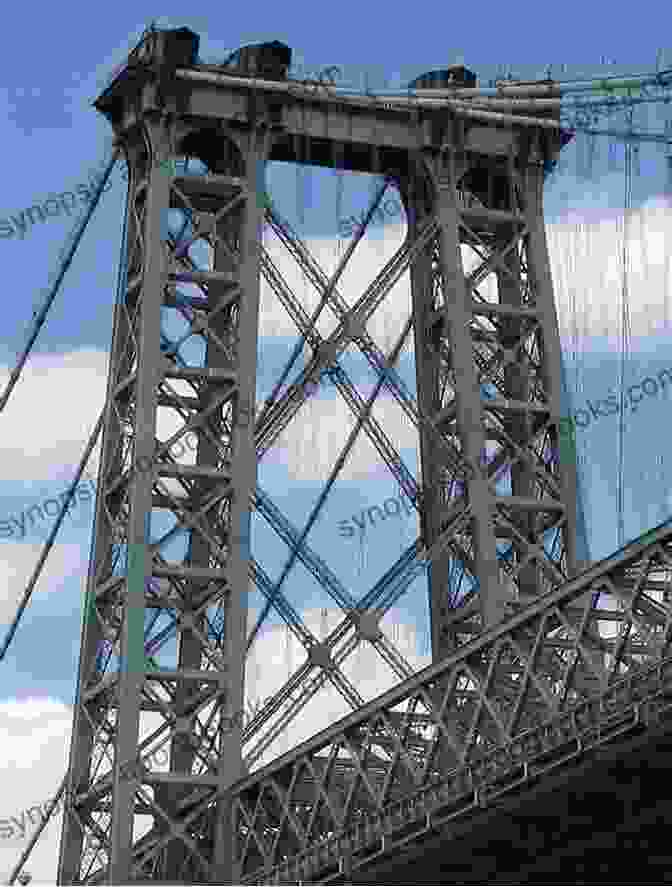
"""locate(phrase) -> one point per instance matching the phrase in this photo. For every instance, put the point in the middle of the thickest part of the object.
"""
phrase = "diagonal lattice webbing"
(554, 656)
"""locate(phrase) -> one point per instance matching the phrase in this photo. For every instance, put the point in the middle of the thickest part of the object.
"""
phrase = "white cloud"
(587, 267)
(17, 563)
(51, 414)
(35, 738)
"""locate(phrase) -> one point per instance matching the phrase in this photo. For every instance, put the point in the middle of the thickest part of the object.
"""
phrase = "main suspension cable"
(65, 264)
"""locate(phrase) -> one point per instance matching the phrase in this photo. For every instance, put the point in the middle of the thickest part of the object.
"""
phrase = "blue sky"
(53, 142)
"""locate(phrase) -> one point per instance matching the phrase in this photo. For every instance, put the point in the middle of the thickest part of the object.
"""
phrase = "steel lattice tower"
(489, 375)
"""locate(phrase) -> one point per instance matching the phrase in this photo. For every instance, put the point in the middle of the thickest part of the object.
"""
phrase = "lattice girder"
(506, 698)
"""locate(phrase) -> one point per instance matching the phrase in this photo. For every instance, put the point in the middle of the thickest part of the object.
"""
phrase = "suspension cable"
(94, 434)
(36, 835)
(92, 439)
(41, 317)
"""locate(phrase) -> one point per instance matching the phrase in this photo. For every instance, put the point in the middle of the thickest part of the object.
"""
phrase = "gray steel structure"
(467, 177)
(534, 701)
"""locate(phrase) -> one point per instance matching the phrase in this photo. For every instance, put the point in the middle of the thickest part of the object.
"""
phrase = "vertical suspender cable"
(663, 462)
(338, 172)
(625, 335)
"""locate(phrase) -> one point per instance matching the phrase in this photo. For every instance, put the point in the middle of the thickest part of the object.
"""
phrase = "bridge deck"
(603, 820)
(588, 664)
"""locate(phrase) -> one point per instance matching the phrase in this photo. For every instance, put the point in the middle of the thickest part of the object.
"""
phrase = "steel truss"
(171, 561)
(587, 664)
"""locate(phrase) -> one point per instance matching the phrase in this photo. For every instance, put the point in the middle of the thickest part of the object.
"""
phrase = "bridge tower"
(171, 559)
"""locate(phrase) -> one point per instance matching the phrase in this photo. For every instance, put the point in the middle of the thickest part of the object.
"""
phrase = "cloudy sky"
(53, 142)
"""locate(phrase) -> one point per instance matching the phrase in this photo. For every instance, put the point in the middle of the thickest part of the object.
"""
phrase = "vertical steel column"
(136, 389)
(88, 715)
(432, 455)
(244, 477)
(518, 348)
(129, 369)
(212, 506)
(139, 562)
(539, 270)
(446, 169)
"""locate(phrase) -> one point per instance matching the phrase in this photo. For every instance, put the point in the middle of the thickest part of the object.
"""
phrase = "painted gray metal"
(461, 183)
(587, 664)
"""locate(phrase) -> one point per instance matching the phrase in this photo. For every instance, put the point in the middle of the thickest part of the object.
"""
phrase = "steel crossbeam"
(340, 378)
(374, 356)
(348, 329)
